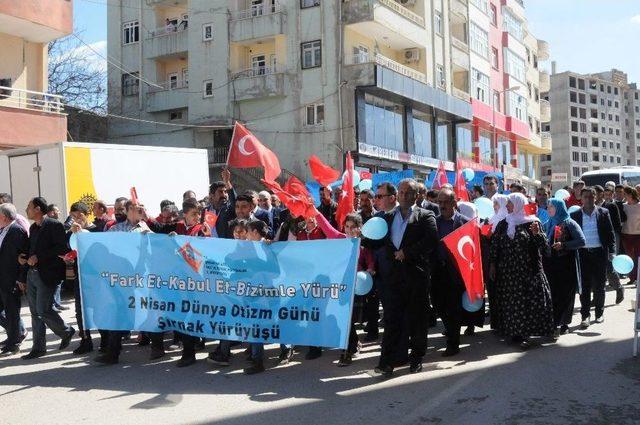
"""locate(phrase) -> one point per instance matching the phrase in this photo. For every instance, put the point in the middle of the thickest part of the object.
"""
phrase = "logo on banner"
(192, 256)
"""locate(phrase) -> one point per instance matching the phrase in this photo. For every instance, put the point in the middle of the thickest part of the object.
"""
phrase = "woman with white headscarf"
(516, 266)
(500, 208)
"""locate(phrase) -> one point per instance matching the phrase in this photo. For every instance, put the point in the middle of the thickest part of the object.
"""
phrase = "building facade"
(595, 125)
(390, 81)
(28, 114)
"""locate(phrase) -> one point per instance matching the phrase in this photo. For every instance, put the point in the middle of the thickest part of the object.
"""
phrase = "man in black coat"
(408, 245)
(47, 242)
(13, 241)
(222, 201)
(614, 214)
(598, 250)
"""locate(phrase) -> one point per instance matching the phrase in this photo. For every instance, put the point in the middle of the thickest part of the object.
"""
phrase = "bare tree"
(75, 75)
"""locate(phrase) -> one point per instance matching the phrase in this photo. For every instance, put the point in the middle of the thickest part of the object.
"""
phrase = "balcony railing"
(460, 94)
(378, 59)
(168, 30)
(31, 100)
(218, 155)
(257, 71)
(169, 85)
(401, 10)
(256, 10)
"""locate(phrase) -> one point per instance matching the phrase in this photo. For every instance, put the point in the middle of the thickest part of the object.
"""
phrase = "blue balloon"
(469, 306)
(376, 228)
(573, 209)
(562, 194)
(364, 283)
(623, 264)
(356, 177)
(73, 241)
(366, 184)
(468, 174)
(485, 208)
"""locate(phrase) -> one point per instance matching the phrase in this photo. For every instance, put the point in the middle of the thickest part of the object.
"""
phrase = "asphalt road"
(587, 377)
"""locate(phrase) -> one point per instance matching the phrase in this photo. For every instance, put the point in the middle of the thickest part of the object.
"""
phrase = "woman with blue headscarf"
(561, 263)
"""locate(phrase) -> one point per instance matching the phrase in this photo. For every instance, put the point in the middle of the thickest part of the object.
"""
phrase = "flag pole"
(235, 124)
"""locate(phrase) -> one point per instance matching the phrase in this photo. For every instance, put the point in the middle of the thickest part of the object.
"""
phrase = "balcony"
(260, 21)
(460, 94)
(35, 20)
(546, 142)
(218, 156)
(388, 20)
(167, 2)
(545, 111)
(167, 41)
(257, 82)
(516, 7)
(545, 81)
(378, 59)
(543, 50)
(29, 118)
(460, 8)
(169, 96)
(460, 53)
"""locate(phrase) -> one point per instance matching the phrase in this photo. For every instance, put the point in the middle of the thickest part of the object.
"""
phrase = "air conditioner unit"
(411, 55)
(408, 2)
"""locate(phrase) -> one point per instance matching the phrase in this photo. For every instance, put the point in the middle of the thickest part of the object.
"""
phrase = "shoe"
(358, 349)
(631, 282)
(186, 361)
(60, 307)
(345, 359)
(23, 337)
(564, 329)
(199, 345)
(600, 319)
(415, 366)
(585, 323)
(619, 295)
(33, 355)
(256, 367)
(371, 337)
(106, 359)
(13, 349)
(470, 331)
(556, 334)
(156, 353)
(400, 363)
(525, 344)
(313, 353)
(86, 346)
(383, 370)
(67, 339)
(285, 356)
(143, 340)
(450, 351)
(174, 345)
(218, 359)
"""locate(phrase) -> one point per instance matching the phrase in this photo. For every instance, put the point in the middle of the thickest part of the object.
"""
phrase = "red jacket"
(571, 201)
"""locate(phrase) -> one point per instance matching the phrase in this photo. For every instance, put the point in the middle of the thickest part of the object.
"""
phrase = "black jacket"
(15, 243)
(226, 213)
(605, 228)
(51, 242)
(431, 206)
(614, 214)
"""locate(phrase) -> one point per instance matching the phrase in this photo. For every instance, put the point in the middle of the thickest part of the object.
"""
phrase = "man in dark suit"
(47, 242)
(327, 205)
(598, 250)
(614, 214)
(408, 245)
(222, 200)
(13, 241)
(425, 203)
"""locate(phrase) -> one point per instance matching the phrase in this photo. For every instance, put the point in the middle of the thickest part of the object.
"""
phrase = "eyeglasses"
(381, 196)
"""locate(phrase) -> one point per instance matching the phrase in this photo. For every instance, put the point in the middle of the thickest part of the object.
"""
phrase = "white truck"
(65, 172)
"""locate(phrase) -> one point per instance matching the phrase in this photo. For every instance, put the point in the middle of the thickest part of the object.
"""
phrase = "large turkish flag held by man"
(246, 151)
(345, 204)
(464, 246)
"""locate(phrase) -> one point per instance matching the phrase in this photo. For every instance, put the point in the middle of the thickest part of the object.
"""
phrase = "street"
(588, 377)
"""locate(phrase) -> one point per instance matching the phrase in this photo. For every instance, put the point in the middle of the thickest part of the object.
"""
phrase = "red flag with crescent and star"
(298, 204)
(345, 204)
(464, 246)
(246, 151)
(441, 177)
(321, 172)
(460, 188)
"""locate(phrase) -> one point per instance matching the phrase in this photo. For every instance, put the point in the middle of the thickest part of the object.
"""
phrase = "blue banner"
(286, 292)
(393, 177)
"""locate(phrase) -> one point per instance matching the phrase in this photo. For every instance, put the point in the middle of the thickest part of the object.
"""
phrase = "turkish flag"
(345, 204)
(210, 218)
(134, 195)
(321, 172)
(296, 188)
(299, 206)
(531, 209)
(557, 233)
(460, 188)
(486, 230)
(440, 178)
(464, 246)
(246, 151)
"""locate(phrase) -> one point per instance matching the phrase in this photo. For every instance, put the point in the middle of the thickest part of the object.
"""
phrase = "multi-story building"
(28, 114)
(389, 80)
(595, 124)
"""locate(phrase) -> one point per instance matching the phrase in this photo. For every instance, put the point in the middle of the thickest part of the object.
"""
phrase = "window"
(609, 89)
(175, 115)
(574, 126)
(207, 32)
(596, 156)
(618, 146)
(479, 40)
(496, 101)
(615, 90)
(584, 157)
(575, 171)
(583, 127)
(618, 159)
(581, 84)
(512, 25)
(130, 32)
(130, 84)
(594, 128)
(385, 124)
(573, 97)
(574, 112)
(311, 54)
(207, 88)
(480, 86)
(583, 142)
(575, 156)
(582, 99)
(481, 4)
(493, 15)
(494, 58)
(515, 65)
(173, 80)
(517, 106)
(611, 147)
(314, 114)
(309, 3)
(604, 158)
(583, 114)
(441, 79)
(594, 142)
(572, 82)
(575, 141)
(437, 17)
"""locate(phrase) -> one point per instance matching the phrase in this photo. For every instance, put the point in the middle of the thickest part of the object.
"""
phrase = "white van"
(628, 175)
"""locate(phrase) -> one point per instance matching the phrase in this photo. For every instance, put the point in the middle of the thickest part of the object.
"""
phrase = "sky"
(585, 36)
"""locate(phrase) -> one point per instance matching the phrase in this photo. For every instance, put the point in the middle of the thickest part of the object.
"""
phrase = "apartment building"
(595, 124)
(28, 114)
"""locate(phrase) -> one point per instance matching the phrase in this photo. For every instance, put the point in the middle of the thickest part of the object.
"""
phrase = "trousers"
(593, 264)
